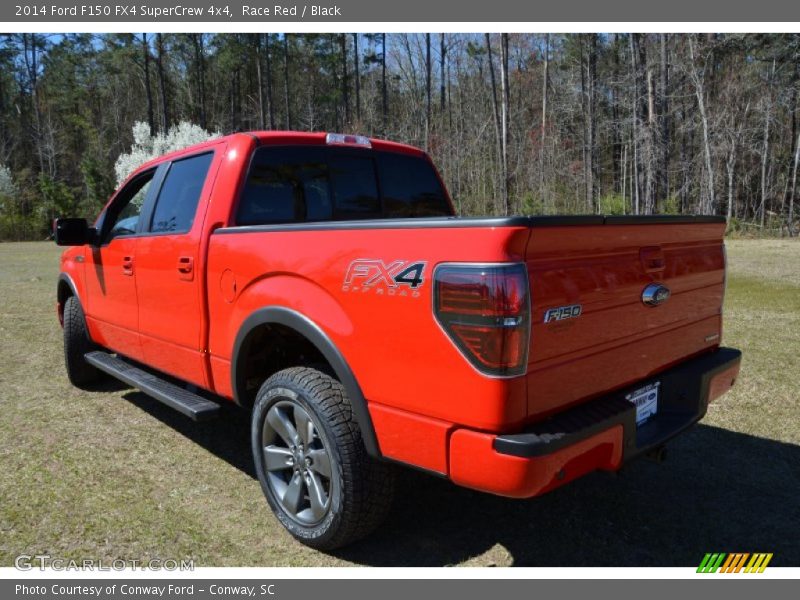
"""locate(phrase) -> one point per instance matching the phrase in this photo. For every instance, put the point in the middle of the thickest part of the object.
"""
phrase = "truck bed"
(596, 262)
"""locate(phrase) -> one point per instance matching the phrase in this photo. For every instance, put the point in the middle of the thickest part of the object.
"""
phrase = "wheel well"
(274, 338)
(63, 293)
(269, 348)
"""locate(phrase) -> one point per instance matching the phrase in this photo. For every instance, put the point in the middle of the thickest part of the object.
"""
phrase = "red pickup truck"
(323, 283)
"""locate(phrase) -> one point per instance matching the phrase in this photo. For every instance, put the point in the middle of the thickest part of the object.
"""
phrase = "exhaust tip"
(658, 455)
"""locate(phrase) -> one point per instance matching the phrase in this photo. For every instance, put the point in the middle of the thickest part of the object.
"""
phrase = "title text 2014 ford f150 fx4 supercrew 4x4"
(323, 283)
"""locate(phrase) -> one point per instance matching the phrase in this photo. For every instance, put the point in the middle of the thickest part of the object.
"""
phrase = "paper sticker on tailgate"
(646, 401)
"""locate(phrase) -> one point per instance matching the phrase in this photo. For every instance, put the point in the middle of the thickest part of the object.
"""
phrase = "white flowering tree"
(146, 147)
(8, 189)
(10, 228)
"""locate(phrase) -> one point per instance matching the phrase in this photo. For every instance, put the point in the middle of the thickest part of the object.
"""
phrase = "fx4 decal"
(397, 278)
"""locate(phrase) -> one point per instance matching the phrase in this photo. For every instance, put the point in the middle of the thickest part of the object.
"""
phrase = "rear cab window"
(295, 184)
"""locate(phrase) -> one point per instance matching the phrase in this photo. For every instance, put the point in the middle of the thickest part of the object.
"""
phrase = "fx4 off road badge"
(397, 278)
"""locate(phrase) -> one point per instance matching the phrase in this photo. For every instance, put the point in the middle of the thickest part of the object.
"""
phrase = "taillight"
(485, 310)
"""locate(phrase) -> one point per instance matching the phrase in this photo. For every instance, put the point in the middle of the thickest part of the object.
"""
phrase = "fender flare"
(65, 278)
(280, 315)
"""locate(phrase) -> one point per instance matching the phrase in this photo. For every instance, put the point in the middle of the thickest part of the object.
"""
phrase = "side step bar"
(184, 401)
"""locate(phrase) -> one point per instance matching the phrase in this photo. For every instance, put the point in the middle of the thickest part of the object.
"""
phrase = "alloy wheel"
(297, 463)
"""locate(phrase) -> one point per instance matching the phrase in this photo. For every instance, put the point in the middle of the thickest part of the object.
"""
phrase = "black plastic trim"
(186, 402)
(250, 134)
(561, 220)
(149, 206)
(458, 222)
(68, 280)
(662, 219)
(683, 401)
(312, 332)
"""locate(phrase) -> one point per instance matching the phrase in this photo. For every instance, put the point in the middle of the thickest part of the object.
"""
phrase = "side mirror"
(73, 232)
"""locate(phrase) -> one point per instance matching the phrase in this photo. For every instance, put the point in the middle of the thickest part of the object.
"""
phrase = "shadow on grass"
(108, 385)
(719, 491)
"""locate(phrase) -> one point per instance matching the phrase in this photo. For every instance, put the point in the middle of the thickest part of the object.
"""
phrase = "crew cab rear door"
(170, 280)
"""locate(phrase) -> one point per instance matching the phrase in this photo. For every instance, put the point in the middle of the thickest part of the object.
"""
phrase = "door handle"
(186, 268)
(127, 265)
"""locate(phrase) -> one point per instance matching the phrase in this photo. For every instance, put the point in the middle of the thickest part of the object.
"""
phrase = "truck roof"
(282, 138)
(319, 138)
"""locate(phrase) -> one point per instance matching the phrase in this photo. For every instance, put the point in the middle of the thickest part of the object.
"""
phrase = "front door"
(111, 307)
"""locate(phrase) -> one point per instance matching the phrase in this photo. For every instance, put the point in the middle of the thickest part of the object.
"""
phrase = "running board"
(184, 401)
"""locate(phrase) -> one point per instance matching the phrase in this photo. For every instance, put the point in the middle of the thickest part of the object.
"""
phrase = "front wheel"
(76, 344)
(311, 461)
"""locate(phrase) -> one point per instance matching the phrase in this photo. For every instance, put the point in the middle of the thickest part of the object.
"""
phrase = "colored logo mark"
(736, 562)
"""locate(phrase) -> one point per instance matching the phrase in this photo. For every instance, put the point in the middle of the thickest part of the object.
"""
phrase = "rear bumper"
(598, 435)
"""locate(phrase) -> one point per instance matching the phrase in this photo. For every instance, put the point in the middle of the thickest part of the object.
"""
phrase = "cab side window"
(122, 218)
(180, 193)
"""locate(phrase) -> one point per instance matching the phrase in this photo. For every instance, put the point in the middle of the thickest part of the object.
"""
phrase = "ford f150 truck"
(322, 282)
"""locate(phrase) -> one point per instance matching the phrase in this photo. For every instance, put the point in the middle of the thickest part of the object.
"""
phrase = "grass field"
(113, 474)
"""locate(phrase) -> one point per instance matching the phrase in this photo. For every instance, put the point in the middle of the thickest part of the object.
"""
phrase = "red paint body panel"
(474, 463)
(220, 375)
(412, 438)
(73, 264)
(382, 337)
(429, 406)
(170, 308)
(617, 339)
(613, 366)
(110, 300)
(171, 293)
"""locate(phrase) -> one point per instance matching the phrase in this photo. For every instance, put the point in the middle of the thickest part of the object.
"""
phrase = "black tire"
(76, 344)
(359, 490)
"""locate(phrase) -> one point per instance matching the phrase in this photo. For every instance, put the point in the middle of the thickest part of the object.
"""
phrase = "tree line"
(517, 123)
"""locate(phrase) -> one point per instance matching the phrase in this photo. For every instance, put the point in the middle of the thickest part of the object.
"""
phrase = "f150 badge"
(397, 278)
(560, 313)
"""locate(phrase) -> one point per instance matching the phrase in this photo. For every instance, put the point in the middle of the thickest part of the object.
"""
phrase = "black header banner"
(304, 588)
(465, 11)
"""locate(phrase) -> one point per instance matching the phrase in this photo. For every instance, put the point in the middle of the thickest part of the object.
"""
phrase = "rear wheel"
(311, 461)
(76, 344)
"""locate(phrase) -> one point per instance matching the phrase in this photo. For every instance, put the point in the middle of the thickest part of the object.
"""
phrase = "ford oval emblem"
(655, 294)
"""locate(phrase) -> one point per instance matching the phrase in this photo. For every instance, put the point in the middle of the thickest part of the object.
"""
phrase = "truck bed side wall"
(389, 338)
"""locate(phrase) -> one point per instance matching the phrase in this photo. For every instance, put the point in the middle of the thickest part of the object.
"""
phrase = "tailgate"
(592, 331)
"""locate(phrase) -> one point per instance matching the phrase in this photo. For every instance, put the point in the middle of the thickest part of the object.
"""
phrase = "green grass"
(113, 474)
